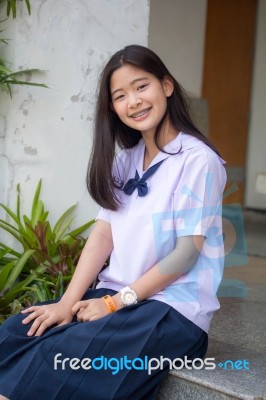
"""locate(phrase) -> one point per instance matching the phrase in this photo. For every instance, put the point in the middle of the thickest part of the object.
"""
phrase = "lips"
(140, 113)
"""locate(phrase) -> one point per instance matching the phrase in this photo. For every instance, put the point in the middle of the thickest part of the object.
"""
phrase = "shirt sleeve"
(198, 196)
(104, 215)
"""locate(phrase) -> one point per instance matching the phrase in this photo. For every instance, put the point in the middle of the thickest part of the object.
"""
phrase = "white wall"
(256, 171)
(177, 34)
(47, 132)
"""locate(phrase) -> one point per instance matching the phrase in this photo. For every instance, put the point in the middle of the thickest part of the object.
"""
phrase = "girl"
(160, 223)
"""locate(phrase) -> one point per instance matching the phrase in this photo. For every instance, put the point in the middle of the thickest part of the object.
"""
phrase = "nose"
(133, 101)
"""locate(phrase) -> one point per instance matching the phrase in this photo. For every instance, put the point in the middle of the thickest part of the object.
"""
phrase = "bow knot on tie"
(140, 184)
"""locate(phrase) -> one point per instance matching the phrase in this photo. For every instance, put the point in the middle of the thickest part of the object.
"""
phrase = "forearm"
(95, 253)
(170, 268)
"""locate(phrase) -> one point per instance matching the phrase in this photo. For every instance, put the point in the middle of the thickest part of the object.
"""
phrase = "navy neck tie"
(140, 183)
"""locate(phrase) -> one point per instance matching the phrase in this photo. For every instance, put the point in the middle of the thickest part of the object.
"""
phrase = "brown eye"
(119, 97)
(141, 87)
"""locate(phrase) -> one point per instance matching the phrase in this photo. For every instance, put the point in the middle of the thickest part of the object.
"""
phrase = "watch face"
(129, 297)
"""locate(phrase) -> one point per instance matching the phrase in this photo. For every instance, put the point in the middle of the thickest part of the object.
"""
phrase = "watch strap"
(109, 302)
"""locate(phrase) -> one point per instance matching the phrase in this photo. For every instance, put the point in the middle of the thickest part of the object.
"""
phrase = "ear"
(168, 85)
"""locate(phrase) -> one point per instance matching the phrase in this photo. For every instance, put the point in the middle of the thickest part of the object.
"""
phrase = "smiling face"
(139, 98)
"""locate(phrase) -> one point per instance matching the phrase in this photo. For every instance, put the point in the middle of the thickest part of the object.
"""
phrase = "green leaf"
(63, 223)
(23, 71)
(11, 251)
(81, 229)
(5, 41)
(11, 6)
(15, 82)
(4, 252)
(11, 231)
(44, 216)
(4, 274)
(9, 225)
(18, 201)
(59, 286)
(28, 6)
(30, 234)
(17, 269)
(37, 213)
(39, 292)
(15, 307)
(36, 196)
(13, 293)
(13, 216)
(48, 257)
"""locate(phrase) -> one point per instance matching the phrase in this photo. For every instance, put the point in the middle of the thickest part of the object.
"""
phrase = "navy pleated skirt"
(149, 329)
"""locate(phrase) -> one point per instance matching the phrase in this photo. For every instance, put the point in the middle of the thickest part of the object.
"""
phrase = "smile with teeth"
(140, 113)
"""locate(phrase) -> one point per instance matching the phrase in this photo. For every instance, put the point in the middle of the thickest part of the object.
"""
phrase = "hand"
(90, 310)
(45, 316)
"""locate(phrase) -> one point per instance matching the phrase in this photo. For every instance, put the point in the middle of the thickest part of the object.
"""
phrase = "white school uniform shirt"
(184, 198)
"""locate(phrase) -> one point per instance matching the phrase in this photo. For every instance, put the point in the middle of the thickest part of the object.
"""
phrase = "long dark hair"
(109, 130)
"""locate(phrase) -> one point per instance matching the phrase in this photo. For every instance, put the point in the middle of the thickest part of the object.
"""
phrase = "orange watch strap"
(110, 304)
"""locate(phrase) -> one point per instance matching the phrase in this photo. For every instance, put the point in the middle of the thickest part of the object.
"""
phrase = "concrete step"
(237, 341)
(222, 383)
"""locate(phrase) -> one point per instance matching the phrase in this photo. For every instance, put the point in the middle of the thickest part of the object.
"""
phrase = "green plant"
(11, 6)
(7, 76)
(41, 270)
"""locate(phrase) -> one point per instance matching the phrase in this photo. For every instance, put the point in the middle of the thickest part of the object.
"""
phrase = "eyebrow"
(131, 83)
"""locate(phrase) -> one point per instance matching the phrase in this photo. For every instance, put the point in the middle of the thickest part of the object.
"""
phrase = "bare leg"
(3, 398)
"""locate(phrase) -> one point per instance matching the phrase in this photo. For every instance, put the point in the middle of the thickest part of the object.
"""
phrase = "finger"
(94, 318)
(44, 325)
(30, 309)
(90, 316)
(35, 326)
(64, 322)
(80, 314)
(41, 324)
(78, 305)
(31, 317)
(81, 310)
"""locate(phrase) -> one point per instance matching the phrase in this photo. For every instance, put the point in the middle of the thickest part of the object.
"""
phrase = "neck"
(151, 150)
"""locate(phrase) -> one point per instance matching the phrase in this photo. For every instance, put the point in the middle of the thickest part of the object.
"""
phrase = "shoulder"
(197, 153)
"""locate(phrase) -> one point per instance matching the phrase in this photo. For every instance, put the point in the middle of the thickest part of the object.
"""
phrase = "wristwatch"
(128, 296)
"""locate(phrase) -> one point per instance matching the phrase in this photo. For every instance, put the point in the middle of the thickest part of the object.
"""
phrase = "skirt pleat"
(148, 329)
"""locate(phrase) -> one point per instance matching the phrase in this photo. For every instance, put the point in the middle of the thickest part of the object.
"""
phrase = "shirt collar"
(171, 147)
(179, 144)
